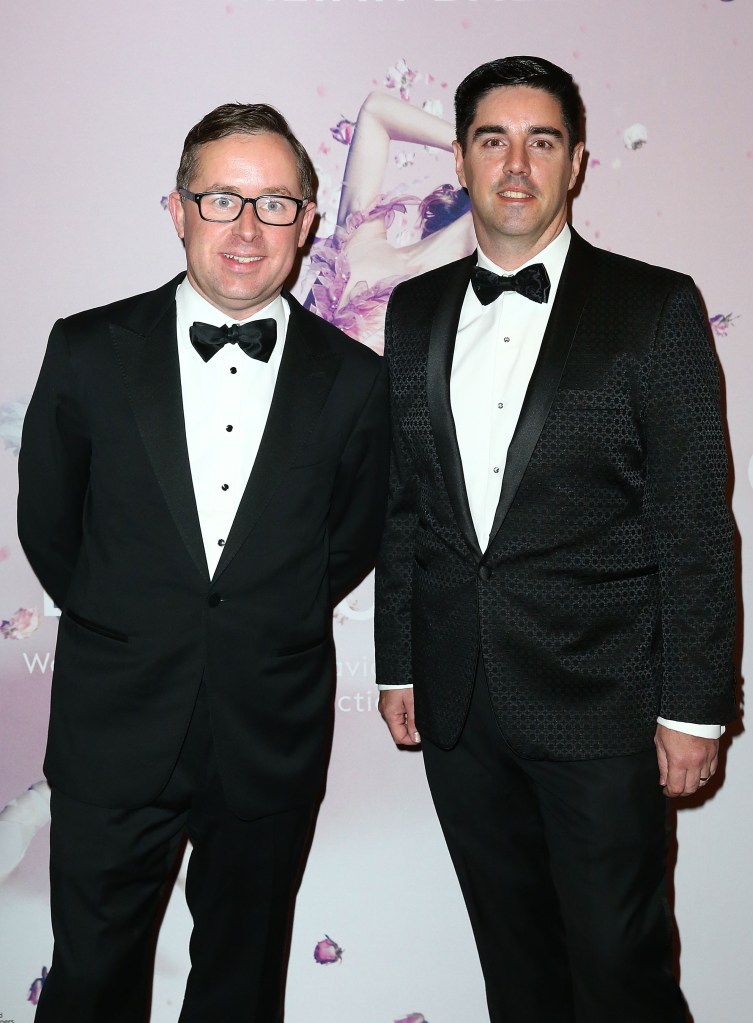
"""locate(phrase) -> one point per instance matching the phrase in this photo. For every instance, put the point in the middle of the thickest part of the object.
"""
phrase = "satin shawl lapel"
(438, 366)
(570, 300)
(305, 378)
(147, 350)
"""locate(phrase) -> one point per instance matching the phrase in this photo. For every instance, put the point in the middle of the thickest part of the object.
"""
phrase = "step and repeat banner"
(96, 101)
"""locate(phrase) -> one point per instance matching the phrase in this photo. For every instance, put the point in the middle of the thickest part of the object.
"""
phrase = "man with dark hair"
(202, 476)
(555, 580)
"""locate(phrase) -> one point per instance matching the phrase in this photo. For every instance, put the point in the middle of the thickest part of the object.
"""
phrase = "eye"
(493, 143)
(542, 144)
(271, 203)
(224, 201)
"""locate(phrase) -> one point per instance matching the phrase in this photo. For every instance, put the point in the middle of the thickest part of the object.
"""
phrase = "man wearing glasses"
(202, 477)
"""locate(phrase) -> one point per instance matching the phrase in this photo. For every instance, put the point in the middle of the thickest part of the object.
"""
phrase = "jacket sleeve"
(686, 506)
(394, 572)
(358, 501)
(53, 471)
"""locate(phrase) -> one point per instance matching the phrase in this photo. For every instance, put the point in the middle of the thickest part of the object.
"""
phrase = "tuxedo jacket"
(108, 519)
(605, 596)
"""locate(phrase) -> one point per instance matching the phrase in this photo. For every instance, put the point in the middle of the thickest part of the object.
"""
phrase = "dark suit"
(605, 596)
(108, 519)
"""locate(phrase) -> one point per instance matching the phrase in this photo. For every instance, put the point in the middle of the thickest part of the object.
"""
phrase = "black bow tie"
(531, 281)
(257, 338)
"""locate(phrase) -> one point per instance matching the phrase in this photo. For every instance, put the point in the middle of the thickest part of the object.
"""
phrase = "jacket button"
(214, 599)
(484, 572)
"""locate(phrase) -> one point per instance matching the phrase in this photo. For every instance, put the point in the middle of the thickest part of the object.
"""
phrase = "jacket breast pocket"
(585, 400)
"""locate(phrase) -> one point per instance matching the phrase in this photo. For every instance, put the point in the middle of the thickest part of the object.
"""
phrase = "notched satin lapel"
(303, 383)
(149, 362)
(569, 302)
(438, 367)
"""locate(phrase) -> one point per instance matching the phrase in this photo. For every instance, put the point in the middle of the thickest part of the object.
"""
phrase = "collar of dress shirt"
(553, 257)
(191, 306)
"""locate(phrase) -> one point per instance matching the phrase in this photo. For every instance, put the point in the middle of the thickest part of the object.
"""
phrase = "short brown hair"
(244, 119)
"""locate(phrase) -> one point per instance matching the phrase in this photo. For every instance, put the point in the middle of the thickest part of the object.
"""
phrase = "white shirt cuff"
(703, 731)
(382, 688)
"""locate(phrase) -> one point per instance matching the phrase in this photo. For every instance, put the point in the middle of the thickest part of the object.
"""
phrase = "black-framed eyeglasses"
(224, 207)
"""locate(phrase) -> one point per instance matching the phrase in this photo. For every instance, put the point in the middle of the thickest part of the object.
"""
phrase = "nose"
(517, 161)
(248, 225)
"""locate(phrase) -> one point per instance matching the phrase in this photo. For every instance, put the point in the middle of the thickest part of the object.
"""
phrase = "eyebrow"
(533, 129)
(272, 190)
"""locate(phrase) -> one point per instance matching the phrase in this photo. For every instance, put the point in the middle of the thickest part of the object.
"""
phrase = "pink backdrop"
(96, 101)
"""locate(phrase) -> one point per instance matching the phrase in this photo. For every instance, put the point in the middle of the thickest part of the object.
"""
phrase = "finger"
(676, 782)
(402, 734)
(399, 732)
(410, 721)
(661, 756)
(396, 719)
(706, 774)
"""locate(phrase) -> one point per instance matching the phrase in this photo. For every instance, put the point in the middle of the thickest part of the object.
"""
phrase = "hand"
(686, 762)
(396, 707)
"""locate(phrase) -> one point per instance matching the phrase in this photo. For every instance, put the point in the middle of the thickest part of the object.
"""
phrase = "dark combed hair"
(441, 208)
(244, 119)
(534, 72)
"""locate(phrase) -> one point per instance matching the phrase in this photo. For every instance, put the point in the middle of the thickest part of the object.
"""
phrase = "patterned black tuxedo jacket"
(606, 595)
(108, 520)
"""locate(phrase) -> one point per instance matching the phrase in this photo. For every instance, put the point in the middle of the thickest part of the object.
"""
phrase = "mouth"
(511, 193)
(241, 259)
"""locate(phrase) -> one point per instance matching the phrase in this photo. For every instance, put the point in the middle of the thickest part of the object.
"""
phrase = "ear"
(175, 205)
(459, 162)
(307, 219)
(575, 164)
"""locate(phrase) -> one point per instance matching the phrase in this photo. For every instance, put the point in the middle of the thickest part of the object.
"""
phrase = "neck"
(510, 252)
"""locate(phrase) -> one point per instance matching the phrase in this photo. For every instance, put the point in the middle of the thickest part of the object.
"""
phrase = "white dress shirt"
(496, 349)
(226, 402)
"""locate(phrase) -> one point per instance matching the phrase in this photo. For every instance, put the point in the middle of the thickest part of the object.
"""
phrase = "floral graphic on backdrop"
(36, 987)
(721, 323)
(343, 131)
(328, 951)
(21, 625)
(401, 77)
(11, 422)
(635, 136)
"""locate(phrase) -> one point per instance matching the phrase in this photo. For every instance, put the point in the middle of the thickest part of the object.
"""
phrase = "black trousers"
(108, 871)
(563, 871)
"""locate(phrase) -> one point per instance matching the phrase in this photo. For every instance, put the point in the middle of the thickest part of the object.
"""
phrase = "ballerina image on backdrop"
(354, 270)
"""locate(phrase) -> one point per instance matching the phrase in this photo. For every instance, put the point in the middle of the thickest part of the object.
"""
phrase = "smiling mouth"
(510, 193)
(241, 259)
